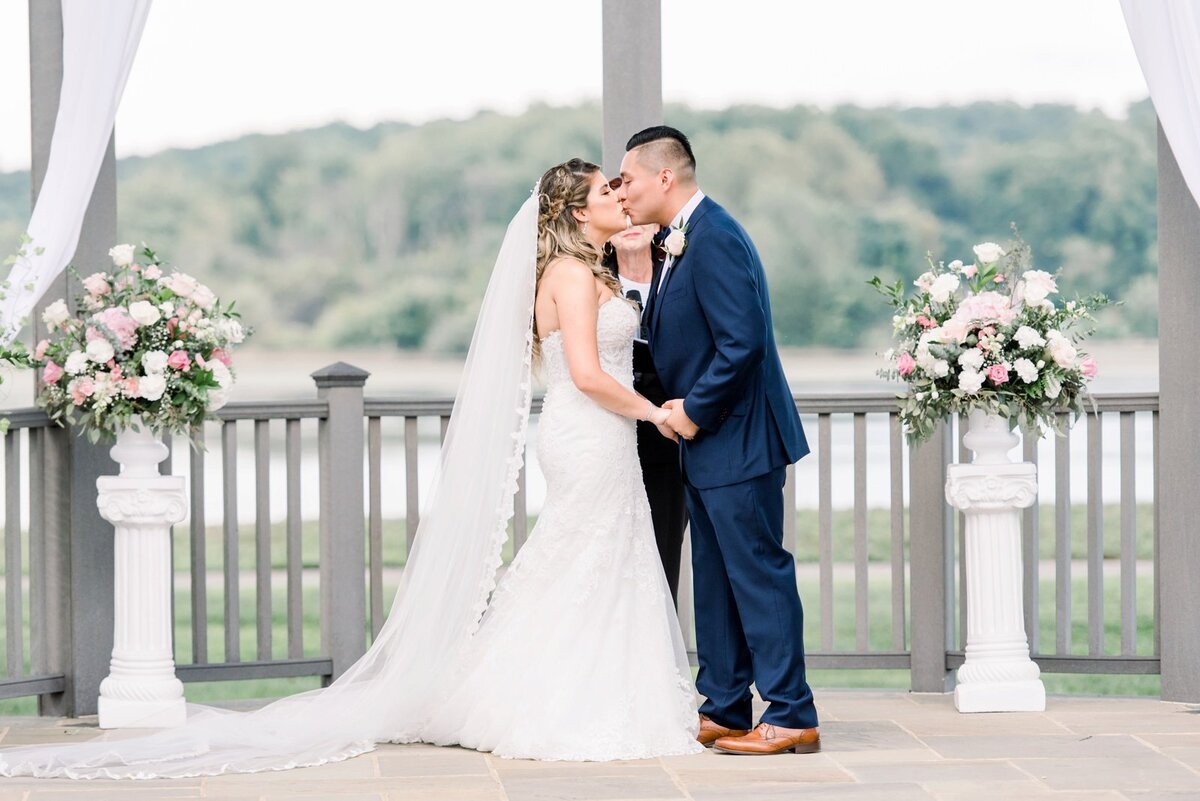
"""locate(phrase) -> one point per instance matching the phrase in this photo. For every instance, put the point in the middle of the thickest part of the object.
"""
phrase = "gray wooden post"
(1179, 419)
(632, 73)
(931, 523)
(79, 543)
(343, 523)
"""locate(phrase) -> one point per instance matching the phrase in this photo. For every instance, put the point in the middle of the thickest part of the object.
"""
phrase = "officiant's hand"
(679, 422)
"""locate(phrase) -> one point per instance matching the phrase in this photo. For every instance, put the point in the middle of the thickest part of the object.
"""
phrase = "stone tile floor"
(889, 746)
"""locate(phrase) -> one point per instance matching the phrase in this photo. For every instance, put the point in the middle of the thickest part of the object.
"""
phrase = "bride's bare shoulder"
(566, 270)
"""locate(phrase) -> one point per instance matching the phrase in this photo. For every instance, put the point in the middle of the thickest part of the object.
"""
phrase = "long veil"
(393, 690)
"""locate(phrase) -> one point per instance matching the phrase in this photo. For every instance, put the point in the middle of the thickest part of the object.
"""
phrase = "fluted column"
(141, 689)
(998, 675)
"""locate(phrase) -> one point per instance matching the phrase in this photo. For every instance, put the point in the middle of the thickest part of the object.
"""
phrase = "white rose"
(1053, 387)
(956, 265)
(56, 313)
(675, 242)
(152, 387)
(181, 284)
(121, 255)
(1061, 350)
(1028, 338)
(144, 312)
(231, 330)
(154, 361)
(1036, 285)
(970, 381)
(988, 252)
(924, 281)
(204, 297)
(940, 368)
(943, 287)
(221, 373)
(956, 329)
(971, 359)
(1026, 370)
(77, 362)
(100, 351)
(216, 399)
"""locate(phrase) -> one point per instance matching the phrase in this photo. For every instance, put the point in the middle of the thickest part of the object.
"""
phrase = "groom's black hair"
(657, 133)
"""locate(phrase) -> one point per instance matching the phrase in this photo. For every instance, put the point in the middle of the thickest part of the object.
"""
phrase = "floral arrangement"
(144, 342)
(988, 336)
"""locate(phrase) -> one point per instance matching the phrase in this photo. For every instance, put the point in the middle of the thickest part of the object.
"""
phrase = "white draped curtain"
(1166, 38)
(100, 40)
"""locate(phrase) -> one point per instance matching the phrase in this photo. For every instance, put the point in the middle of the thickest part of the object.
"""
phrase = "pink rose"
(906, 363)
(998, 373)
(179, 360)
(220, 355)
(153, 273)
(120, 323)
(925, 322)
(1088, 367)
(40, 352)
(52, 373)
(81, 389)
(970, 270)
(96, 284)
(999, 279)
(131, 386)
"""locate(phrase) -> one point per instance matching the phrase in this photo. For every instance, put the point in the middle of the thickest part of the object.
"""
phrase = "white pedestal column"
(998, 675)
(141, 689)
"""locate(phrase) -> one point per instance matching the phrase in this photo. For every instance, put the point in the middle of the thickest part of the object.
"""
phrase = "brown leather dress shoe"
(767, 739)
(710, 732)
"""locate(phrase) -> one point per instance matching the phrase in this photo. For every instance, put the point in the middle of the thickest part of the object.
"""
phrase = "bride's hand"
(667, 432)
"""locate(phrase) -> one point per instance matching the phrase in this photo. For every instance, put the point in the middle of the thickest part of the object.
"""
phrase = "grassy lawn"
(844, 615)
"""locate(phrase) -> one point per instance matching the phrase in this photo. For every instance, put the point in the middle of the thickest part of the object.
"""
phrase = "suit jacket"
(653, 447)
(713, 344)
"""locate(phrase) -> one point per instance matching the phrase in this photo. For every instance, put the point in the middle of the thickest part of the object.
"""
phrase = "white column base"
(1001, 696)
(119, 713)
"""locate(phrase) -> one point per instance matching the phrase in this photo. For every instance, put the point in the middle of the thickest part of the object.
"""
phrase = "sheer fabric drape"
(100, 40)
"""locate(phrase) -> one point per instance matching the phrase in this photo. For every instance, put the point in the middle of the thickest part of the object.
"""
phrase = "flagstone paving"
(878, 746)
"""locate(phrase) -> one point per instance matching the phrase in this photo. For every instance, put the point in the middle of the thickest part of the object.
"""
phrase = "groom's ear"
(666, 177)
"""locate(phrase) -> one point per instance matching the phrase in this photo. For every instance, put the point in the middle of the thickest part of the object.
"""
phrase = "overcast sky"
(215, 69)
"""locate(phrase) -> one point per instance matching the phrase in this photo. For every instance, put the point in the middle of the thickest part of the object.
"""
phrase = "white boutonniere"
(676, 241)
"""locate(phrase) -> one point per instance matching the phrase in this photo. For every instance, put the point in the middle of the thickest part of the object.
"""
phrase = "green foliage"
(338, 236)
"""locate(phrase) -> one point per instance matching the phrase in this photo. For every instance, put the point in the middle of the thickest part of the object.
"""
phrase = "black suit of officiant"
(659, 456)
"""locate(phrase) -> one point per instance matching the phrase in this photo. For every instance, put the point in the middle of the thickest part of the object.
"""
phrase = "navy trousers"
(749, 621)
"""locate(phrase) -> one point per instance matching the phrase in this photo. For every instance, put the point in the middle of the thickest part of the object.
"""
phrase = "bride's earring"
(584, 227)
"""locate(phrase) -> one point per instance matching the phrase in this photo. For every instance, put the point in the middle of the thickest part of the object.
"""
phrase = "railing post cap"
(340, 374)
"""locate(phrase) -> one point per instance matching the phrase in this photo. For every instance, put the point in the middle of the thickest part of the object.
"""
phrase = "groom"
(712, 341)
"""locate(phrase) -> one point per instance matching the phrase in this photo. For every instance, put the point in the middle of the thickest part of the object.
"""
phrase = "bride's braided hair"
(560, 236)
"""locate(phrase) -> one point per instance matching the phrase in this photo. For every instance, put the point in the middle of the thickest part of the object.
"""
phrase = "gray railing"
(878, 553)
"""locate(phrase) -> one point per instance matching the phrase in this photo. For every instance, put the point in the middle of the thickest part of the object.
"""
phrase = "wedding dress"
(577, 654)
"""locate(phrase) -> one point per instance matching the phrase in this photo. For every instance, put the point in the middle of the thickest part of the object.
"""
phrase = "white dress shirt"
(681, 220)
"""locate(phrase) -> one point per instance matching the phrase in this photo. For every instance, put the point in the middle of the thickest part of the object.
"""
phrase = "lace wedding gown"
(578, 655)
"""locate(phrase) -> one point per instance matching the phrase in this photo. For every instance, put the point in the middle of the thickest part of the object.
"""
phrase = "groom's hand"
(679, 422)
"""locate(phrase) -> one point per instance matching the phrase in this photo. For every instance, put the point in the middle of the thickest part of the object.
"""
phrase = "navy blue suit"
(713, 345)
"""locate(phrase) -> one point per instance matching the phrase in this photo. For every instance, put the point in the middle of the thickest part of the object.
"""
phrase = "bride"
(577, 654)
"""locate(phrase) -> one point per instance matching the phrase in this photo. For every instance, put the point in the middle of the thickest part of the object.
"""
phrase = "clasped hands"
(677, 423)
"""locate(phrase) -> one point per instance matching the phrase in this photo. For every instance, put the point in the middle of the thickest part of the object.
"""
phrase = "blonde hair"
(560, 236)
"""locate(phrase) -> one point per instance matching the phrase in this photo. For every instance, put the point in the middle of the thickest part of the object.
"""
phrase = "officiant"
(636, 257)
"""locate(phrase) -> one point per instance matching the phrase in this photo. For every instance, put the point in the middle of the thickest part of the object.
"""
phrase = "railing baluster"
(13, 633)
(262, 529)
(1128, 536)
(411, 487)
(899, 640)
(233, 623)
(199, 566)
(375, 520)
(295, 553)
(37, 552)
(1154, 443)
(1062, 538)
(825, 525)
(861, 576)
(1029, 525)
(1095, 536)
